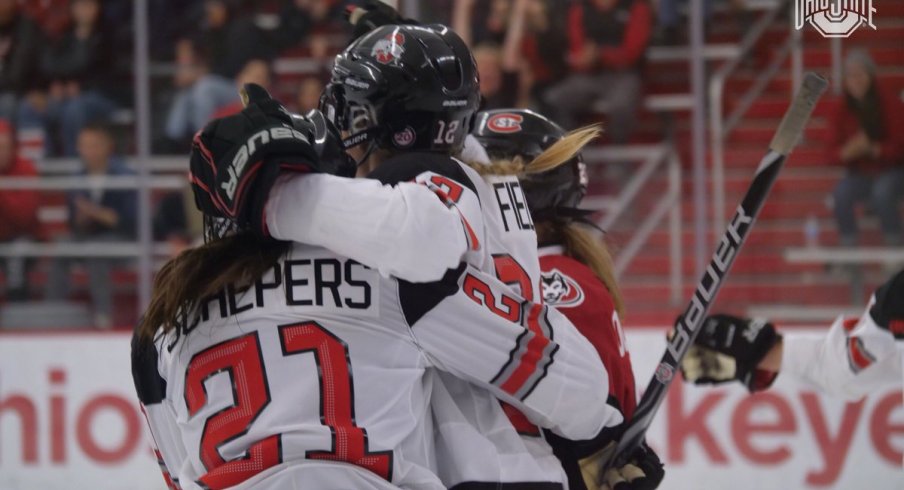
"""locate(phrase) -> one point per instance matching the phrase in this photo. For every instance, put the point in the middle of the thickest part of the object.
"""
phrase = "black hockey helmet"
(507, 133)
(404, 87)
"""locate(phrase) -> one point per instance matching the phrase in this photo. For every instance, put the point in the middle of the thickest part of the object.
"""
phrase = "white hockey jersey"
(507, 248)
(855, 358)
(323, 363)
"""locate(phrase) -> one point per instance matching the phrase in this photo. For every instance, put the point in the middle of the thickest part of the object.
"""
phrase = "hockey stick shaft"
(688, 324)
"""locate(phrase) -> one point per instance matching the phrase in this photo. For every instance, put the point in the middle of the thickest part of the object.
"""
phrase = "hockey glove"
(236, 160)
(888, 308)
(730, 348)
(643, 471)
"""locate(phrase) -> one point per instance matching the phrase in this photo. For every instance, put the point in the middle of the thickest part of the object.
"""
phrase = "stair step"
(746, 294)
(765, 236)
(746, 263)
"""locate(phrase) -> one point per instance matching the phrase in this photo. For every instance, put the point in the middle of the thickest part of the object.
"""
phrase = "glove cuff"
(761, 379)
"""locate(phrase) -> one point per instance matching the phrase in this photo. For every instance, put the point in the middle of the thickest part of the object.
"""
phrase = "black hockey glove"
(236, 160)
(643, 471)
(888, 309)
(373, 14)
(730, 348)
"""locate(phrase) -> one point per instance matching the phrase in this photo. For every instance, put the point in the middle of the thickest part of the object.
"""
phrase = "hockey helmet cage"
(404, 88)
(507, 133)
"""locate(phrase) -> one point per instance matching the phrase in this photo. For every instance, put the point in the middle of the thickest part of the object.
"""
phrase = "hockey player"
(577, 274)
(266, 364)
(405, 96)
(855, 357)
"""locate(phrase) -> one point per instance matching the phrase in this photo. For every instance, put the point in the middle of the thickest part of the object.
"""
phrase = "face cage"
(216, 228)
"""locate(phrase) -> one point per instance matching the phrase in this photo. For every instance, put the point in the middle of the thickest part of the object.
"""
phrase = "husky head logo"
(389, 49)
(560, 290)
(834, 18)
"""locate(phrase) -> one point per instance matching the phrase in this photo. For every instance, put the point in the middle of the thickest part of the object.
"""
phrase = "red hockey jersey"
(576, 292)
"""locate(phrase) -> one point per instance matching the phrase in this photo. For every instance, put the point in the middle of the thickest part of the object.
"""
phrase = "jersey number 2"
(242, 359)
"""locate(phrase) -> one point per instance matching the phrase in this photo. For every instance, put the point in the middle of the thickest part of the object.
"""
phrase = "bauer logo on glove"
(235, 160)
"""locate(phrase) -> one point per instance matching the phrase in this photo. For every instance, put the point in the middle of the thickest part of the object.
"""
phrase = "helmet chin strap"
(367, 136)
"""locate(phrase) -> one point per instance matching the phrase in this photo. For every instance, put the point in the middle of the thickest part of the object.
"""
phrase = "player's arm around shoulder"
(414, 229)
(527, 354)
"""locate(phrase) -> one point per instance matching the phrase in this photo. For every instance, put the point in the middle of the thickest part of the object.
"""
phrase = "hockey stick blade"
(686, 328)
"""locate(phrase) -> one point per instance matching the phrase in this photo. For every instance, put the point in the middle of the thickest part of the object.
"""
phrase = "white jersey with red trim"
(854, 359)
(495, 223)
(318, 376)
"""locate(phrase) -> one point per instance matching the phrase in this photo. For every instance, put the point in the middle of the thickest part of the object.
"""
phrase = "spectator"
(544, 44)
(491, 26)
(308, 95)
(18, 212)
(200, 93)
(96, 215)
(255, 71)
(232, 40)
(20, 42)
(500, 69)
(867, 137)
(79, 69)
(607, 40)
(51, 15)
(302, 20)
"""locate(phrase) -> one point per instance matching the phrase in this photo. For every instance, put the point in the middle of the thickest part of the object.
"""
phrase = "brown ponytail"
(198, 273)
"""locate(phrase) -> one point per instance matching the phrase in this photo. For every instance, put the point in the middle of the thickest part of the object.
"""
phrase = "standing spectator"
(492, 20)
(542, 47)
(51, 15)
(607, 40)
(18, 212)
(501, 69)
(79, 69)
(96, 215)
(867, 137)
(231, 40)
(20, 43)
(200, 93)
(305, 21)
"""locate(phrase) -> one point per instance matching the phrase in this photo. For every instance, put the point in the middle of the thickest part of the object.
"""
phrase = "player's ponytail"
(581, 245)
(199, 273)
(564, 150)
(560, 153)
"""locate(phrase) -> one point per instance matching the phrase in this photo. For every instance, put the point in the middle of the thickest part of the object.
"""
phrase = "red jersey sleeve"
(578, 294)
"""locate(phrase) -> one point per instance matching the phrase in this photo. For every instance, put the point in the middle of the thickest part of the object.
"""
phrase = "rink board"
(68, 419)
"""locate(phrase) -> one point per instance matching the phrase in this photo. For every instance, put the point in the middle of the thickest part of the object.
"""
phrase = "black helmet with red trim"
(404, 88)
(507, 133)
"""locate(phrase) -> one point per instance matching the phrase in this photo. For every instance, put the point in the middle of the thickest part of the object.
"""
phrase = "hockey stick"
(688, 324)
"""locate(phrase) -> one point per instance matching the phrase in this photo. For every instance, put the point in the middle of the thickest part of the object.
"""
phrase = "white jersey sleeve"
(161, 420)
(526, 354)
(853, 360)
(402, 230)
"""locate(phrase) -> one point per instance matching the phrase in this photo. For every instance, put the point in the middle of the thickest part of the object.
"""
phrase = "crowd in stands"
(867, 138)
(66, 69)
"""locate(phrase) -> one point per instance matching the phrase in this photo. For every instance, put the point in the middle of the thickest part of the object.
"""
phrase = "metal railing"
(653, 160)
(57, 175)
(720, 125)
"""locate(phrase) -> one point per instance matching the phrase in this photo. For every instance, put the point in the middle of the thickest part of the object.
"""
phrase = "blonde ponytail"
(580, 244)
(560, 153)
(564, 150)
